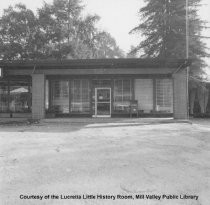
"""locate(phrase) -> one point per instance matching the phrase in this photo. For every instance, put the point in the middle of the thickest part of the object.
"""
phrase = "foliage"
(106, 47)
(58, 31)
(131, 53)
(18, 31)
(163, 26)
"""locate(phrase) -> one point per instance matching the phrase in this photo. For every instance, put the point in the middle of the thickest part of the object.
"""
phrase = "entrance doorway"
(102, 102)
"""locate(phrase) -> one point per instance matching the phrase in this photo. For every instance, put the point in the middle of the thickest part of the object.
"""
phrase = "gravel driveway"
(123, 162)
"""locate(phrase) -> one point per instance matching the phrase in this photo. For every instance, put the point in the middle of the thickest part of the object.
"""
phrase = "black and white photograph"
(104, 102)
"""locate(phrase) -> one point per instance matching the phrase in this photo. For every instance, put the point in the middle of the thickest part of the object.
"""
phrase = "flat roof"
(97, 63)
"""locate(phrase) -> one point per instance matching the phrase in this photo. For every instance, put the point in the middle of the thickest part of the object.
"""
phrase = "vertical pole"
(187, 30)
(68, 22)
(187, 54)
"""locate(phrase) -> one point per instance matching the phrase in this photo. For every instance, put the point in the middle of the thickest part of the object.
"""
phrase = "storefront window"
(19, 98)
(3, 97)
(164, 95)
(15, 96)
(80, 96)
(122, 95)
(60, 96)
(144, 94)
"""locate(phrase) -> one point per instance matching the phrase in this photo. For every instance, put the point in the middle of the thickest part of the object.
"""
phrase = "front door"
(102, 102)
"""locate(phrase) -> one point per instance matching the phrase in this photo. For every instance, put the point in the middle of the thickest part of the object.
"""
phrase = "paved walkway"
(95, 120)
(107, 120)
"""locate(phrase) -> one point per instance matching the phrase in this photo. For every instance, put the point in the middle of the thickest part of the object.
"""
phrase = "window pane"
(144, 94)
(164, 93)
(3, 97)
(122, 95)
(20, 98)
(60, 96)
(80, 93)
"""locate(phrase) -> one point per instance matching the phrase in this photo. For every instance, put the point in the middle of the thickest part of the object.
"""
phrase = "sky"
(118, 17)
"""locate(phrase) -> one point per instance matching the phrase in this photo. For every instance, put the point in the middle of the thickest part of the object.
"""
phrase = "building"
(93, 87)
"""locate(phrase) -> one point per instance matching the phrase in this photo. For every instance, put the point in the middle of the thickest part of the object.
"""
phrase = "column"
(180, 95)
(38, 96)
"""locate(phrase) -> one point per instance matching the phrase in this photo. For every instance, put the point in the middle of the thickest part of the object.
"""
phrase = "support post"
(180, 91)
(38, 96)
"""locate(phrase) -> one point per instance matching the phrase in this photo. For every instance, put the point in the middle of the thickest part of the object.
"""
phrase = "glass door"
(102, 102)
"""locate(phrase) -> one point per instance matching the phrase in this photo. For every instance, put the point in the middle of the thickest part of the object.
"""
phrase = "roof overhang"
(96, 66)
(99, 63)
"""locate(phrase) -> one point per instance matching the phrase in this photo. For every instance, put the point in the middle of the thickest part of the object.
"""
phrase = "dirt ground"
(160, 161)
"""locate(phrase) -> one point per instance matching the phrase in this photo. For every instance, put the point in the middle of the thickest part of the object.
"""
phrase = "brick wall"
(38, 96)
(180, 95)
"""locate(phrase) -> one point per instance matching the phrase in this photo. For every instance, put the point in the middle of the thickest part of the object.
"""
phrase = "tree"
(106, 47)
(58, 31)
(86, 35)
(19, 34)
(69, 35)
(132, 54)
(59, 22)
(163, 27)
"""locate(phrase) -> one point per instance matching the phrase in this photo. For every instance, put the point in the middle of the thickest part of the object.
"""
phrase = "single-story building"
(93, 87)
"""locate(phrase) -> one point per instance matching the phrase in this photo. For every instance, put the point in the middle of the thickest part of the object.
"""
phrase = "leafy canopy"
(58, 31)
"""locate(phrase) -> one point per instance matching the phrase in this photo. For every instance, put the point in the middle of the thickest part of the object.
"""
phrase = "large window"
(144, 94)
(4, 97)
(20, 99)
(60, 96)
(164, 95)
(80, 96)
(15, 96)
(122, 95)
(70, 96)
